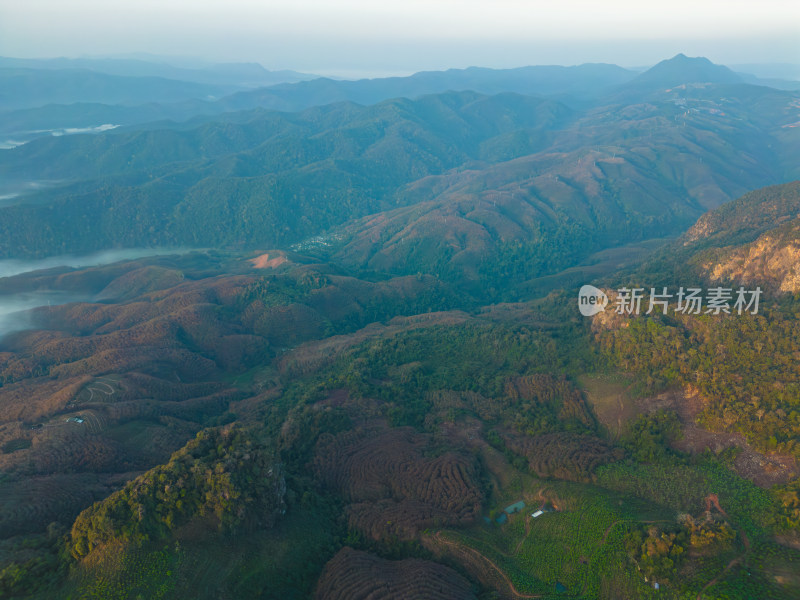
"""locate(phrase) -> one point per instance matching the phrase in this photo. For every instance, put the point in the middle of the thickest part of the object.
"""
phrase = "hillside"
(28, 88)
(362, 371)
(750, 240)
(746, 218)
(88, 107)
(533, 216)
(508, 171)
(736, 367)
(399, 419)
(350, 160)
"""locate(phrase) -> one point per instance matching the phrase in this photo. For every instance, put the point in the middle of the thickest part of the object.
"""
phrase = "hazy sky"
(382, 36)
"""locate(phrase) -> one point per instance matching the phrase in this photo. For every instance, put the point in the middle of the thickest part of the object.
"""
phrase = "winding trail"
(476, 553)
(528, 522)
(713, 500)
(525, 537)
(734, 562)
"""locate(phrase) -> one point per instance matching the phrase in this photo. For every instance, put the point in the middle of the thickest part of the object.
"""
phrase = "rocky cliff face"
(743, 220)
(772, 260)
(610, 319)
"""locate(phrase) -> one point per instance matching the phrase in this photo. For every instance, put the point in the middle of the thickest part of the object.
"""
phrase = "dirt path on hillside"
(713, 500)
(467, 553)
(525, 537)
(529, 518)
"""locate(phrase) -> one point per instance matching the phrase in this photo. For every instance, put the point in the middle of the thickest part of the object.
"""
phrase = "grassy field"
(579, 549)
(572, 551)
(610, 399)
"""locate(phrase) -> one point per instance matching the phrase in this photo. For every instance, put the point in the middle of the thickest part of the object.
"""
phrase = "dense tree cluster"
(224, 476)
(789, 498)
(660, 551)
(648, 436)
(746, 367)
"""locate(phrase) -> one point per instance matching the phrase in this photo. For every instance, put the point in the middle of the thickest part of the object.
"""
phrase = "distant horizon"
(776, 69)
(360, 38)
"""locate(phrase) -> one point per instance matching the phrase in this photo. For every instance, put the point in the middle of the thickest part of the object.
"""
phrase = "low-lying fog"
(14, 308)
(18, 138)
(13, 192)
(14, 266)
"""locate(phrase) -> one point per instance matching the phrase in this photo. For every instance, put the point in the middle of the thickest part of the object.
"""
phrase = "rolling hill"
(378, 382)
(581, 181)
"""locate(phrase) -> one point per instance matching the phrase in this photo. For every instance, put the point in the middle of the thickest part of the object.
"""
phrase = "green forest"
(337, 351)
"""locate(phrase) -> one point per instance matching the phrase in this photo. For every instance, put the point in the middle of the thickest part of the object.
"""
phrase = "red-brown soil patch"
(270, 260)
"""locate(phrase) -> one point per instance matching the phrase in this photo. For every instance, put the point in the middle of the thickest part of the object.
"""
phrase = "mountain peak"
(684, 69)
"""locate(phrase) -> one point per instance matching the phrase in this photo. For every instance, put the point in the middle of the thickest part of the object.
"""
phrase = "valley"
(284, 348)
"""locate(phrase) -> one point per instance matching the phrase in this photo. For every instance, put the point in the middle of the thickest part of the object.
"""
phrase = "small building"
(515, 508)
(538, 513)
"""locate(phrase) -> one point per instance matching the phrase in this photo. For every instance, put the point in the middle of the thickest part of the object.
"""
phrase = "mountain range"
(344, 357)
(518, 178)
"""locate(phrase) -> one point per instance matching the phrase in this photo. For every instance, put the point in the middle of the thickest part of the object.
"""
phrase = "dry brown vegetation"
(394, 486)
(141, 371)
(354, 575)
(546, 389)
(29, 504)
(563, 455)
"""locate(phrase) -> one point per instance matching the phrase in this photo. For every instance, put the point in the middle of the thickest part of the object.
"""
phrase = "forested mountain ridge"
(576, 84)
(313, 170)
(595, 178)
(582, 86)
(464, 118)
(606, 179)
(80, 91)
(744, 219)
(750, 240)
(398, 414)
(379, 380)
